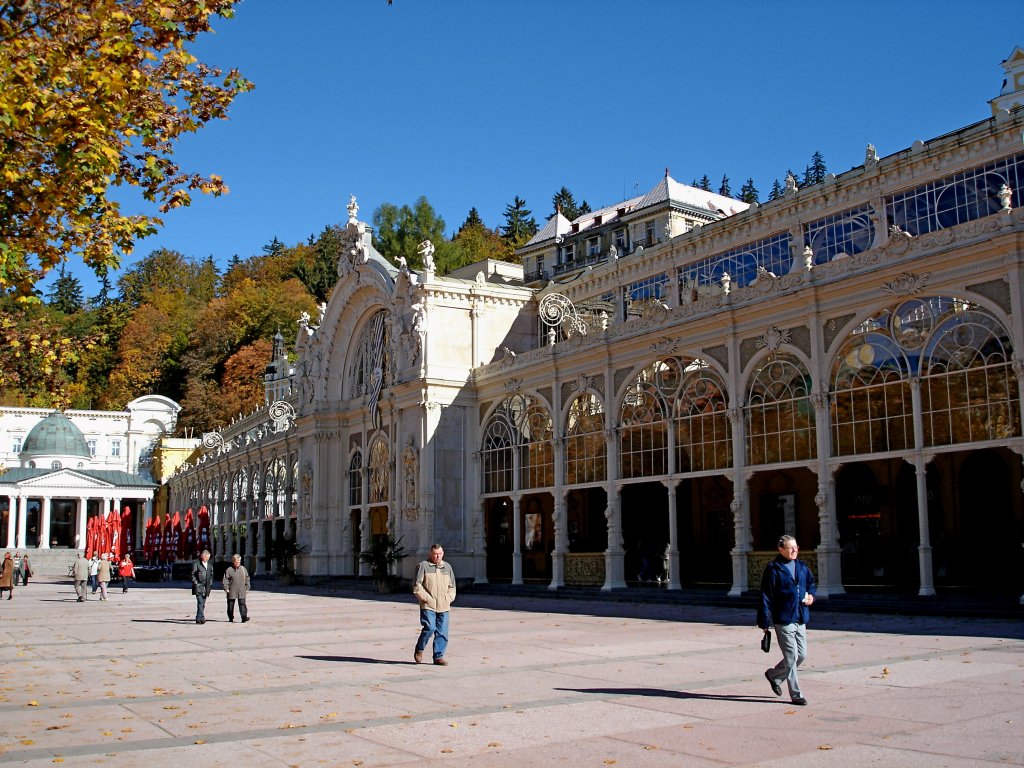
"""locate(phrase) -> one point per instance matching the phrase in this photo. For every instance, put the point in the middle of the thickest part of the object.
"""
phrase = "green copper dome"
(55, 436)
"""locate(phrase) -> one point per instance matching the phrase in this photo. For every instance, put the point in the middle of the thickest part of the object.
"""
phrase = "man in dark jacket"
(202, 583)
(787, 591)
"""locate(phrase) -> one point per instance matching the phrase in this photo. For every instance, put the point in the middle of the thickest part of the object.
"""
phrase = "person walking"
(236, 586)
(434, 587)
(94, 569)
(202, 583)
(787, 592)
(126, 571)
(82, 573)
(103, 575)
(17, 568)
(26, 571)
(7, 576)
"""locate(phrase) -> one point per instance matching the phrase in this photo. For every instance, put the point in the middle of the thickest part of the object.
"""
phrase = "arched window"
(522, 424)
(703, 429)
(370, 357)
(355, 480)
(643, 435)
(969, 391)
(871, 405)
(585, 448)
(778, 414)
(380, 473)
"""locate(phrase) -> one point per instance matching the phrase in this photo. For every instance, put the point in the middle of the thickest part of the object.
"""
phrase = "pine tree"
(724, 188)
(520, 225)
(818, 171)
(472, 220)
(564, 201)
(748, 192)
(275, 248)
(584, 209)
(102, 299)
(776, 192)
(66, 294)
(320, 276)
(705, 183)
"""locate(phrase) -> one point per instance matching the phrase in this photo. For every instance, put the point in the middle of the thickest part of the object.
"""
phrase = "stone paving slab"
(320, 679)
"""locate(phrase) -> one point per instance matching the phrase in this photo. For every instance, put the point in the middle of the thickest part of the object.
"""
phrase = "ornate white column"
(673, 533)
(517, 539)
(740, 507)
(561, 541)
(614, 555)
(364, 538)
(920, 462)
(829, 575)
(44, 524)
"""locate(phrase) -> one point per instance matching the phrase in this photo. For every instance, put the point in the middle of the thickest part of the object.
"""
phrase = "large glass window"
(703, 430)
(520, 424)
(779, 416)
(955, 199)
(771, 253)
(968, 389)
(370, 366)
(847, 233)
(871, 405)
(585, 447)
(643, 434)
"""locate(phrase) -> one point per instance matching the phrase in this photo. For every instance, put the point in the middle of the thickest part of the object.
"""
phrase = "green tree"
(472, 220)
(776, 191)
(564, 201)
(163, 269)
(473, 243)
(748, 192)
(399, 231)
(816, 171)
(320, 274)
(66, 293)
(704, 183)
(724, 188)
(102, 298)
(520, 225)
(93, 96)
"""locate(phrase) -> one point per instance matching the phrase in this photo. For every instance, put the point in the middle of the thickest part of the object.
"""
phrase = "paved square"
(318, 679)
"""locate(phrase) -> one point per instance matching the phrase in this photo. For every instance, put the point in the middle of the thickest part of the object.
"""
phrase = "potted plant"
(384, 556)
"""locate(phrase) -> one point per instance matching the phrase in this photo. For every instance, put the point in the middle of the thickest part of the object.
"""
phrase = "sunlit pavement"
(329, 680)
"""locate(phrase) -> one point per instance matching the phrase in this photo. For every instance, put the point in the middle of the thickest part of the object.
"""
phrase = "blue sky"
(471, 102)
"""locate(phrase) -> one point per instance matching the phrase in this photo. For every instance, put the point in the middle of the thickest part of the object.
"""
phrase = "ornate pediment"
(67, 479)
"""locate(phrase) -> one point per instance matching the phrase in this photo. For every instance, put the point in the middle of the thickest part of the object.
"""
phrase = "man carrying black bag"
(787, 592)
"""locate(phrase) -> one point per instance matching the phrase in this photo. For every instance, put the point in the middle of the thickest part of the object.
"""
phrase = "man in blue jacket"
(787, 591)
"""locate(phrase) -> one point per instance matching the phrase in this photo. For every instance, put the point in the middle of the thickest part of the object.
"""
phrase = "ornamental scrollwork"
(772, 339)
(557, 311)
(214, 441)
(283, 415)
(907, 284)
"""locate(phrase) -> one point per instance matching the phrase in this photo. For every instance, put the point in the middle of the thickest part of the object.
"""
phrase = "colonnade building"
(676, 380)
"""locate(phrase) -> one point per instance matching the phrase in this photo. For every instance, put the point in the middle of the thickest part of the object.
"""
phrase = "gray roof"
(102, 476)
(55, 435)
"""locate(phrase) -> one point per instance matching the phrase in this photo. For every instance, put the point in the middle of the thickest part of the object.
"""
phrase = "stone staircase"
(47, 563)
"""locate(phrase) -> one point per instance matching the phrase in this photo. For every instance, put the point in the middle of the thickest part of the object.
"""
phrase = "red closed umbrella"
(102, 535)
(204, 528)
(176, 542)
(165, 538)
(90, 537)
(188, 538)
(127, 533)
(114, 534)
(147, 540)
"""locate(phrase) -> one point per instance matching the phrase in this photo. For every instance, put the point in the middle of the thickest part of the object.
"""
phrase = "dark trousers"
(242, 610)
(200, 604)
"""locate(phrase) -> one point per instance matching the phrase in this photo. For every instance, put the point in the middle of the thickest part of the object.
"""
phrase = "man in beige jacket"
(434, 587)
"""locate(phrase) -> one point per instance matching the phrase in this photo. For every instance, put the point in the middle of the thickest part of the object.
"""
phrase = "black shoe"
(231, 618)
(200, 621)
(245, 619)
(800, 701)
(81, 599)
(776, 687)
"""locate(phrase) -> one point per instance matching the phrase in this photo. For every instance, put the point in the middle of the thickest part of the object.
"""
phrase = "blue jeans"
(200, 604)
(793, 644)
(436, 625)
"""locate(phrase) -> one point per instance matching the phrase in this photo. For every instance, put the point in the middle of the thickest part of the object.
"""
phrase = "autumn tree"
(94, 96)
(474, 242)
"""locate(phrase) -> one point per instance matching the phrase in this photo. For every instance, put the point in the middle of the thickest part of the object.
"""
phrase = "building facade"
(672, 383)
(59, 469)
